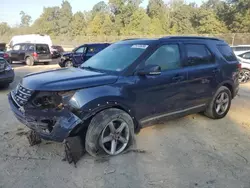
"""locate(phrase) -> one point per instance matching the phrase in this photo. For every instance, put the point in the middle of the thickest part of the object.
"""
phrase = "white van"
(33, 38)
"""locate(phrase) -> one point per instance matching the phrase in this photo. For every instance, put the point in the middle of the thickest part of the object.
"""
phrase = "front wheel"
(110, 132)
(220, 104)
(68, 63)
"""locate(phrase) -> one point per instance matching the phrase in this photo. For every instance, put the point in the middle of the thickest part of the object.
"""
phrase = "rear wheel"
(220, 104)
(110, 132)
(29, 61)
(68, 63)
(244, 75)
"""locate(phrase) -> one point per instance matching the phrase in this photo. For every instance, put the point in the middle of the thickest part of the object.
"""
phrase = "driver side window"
(17, 47)
(166, 56)
(81, 50)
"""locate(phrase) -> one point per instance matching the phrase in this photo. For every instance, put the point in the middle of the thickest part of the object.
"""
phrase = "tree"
(156, 8)
(78, 25)
(138, 24)
(4, 28)
(65, 17)
(100, 7)
(25, 19)
(205, 21)
(48, 22)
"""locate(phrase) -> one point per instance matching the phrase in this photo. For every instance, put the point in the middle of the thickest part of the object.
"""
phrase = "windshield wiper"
(91, 68)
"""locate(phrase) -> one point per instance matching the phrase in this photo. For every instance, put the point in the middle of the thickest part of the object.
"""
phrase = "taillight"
(35, 54)
(5, 55)
(239, 66)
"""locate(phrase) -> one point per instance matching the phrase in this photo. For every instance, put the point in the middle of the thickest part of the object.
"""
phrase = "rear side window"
(227, 52)
(42, 48)
(198, 54)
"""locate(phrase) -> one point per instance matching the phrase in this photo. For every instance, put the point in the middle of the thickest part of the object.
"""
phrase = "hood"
(67, 54)
(66, 79)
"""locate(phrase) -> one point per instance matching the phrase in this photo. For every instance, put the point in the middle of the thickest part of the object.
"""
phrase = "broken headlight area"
(50, 111)
(52, 100)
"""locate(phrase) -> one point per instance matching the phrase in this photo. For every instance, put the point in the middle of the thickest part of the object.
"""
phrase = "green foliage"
(126, 17)
(25, 19)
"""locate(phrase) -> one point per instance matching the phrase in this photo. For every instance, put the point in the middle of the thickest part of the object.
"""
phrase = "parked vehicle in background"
(32, 38)
(127, 86)
(239, 49)
(56, 51)
(30, 53)
(2, 47)
(6, 73)
(80, 54)
(244, 59)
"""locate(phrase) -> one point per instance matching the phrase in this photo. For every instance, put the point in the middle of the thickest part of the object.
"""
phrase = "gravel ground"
(190, 152)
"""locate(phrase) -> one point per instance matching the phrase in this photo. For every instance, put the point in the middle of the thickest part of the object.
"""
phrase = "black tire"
(33, 138)
(73, 149)
(29, 61)
(98, 124)
(46, 63)
(68, 63)
(211, 108)
(4, 86)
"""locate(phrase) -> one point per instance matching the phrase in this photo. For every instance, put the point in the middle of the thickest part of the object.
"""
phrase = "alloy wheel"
(115, 137)
(68, 64)
(244, 76)
(222, 103)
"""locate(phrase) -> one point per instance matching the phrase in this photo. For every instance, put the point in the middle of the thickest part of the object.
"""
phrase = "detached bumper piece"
(49, 125)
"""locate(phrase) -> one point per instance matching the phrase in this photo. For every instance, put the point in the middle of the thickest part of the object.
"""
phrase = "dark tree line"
(127, 17)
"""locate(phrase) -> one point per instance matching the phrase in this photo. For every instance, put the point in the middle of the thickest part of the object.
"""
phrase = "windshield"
(116, 57)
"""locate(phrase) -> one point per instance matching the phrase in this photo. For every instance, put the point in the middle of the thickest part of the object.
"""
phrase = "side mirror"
(150, 70)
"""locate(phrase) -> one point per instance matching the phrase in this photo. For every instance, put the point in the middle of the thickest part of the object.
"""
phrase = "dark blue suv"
(126, 86)
(81, 54)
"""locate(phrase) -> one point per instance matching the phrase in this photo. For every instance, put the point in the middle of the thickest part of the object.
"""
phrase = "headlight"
(66, 96)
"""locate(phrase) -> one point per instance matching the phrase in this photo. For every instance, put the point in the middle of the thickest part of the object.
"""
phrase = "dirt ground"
(190, 152)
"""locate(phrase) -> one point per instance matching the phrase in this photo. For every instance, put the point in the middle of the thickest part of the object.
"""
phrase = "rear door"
(43, 52)
(203, 73)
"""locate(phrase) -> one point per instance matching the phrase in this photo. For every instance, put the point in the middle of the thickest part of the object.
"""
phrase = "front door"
(203, 74)
(161, 94)
(14, 53)
(78, 55)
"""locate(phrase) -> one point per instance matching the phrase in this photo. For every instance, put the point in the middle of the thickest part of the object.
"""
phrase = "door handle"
(178, 78)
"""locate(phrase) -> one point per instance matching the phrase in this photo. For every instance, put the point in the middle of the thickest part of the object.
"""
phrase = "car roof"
(170, 38)
(31, 43)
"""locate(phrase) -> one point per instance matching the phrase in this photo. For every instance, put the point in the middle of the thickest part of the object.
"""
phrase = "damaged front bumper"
(50, 125)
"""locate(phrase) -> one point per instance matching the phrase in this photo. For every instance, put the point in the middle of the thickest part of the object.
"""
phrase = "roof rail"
(190, 37)
(131, 39)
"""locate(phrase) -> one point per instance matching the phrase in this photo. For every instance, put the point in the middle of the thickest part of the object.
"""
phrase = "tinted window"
(167, 57)
(23, 47)
(116, 57)
(81, 49)
(16, 47)
(227, 52)
(42, 48)
(30, 47)
(198, 54)
(245, 55)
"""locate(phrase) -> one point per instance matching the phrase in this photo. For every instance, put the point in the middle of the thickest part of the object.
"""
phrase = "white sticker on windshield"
(141, 46)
